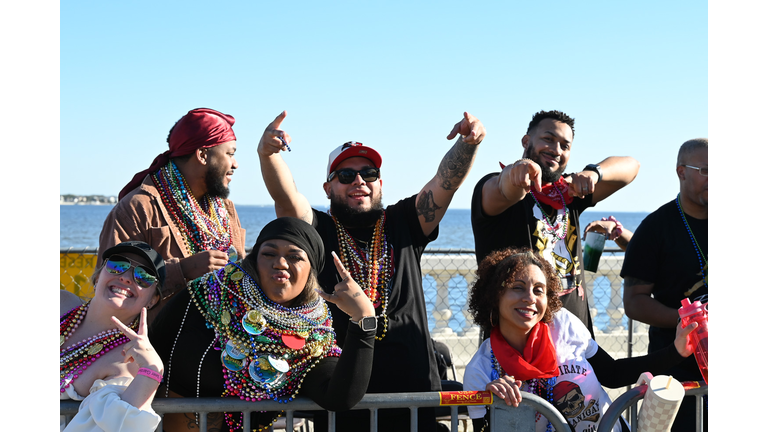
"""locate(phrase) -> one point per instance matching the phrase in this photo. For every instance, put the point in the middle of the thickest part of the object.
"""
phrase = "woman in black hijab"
(260, 329)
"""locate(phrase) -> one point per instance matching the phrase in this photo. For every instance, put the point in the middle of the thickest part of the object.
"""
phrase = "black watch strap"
(596, 168)
(366, 323)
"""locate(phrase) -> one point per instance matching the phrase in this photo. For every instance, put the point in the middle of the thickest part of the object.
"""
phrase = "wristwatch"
(367, 323)
(595, 168)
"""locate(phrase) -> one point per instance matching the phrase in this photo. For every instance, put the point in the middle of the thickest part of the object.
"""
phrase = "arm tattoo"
(456, 164)
(425, 206)
(356, 295)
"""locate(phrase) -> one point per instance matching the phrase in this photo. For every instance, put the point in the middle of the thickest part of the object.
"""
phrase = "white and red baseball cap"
(352, 149)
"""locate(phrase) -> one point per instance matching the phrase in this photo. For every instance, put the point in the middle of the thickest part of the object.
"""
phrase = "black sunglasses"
(347, 175)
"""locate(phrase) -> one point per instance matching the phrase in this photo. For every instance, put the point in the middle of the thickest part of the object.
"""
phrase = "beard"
(214, 181)
(351, 217)
(548, 175)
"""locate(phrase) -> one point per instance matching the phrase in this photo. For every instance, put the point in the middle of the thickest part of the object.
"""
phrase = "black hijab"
(297, 232)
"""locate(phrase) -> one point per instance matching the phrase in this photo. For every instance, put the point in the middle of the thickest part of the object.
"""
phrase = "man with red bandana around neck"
(381, 247)
(532, 203)
(179, 204)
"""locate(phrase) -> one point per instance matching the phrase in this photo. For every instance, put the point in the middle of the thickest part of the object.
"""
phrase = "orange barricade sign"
(76, 271)
(466, 398)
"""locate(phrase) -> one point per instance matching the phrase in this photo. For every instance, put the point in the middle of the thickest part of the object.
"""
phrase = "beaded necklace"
(559, 225)
(266, 349)
(75, 359)
(372, 268)
(541, 387)
(703, 264)
(203, 227)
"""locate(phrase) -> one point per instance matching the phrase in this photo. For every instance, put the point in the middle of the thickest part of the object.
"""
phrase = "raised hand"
(600, 226)
(582, 183)
(681, 339)
(139, 350)
(524, 174)
(203, 262)
(348, 295)
(470, 128)
(507, 388)
(274, 140)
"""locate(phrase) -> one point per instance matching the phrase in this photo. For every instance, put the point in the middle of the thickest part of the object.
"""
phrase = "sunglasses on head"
(118, 264)
(347, 175)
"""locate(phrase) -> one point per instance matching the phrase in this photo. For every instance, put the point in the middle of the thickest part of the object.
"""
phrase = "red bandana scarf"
(549, 193)
(538, 359)
(199, 128)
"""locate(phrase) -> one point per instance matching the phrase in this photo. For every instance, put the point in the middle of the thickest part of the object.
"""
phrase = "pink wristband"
(151, 374)
(617, 230)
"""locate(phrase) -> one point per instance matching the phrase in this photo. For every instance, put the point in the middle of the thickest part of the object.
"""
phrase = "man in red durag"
(179, 204)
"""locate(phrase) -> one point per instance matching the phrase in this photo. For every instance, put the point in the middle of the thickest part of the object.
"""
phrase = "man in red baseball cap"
(381, 247)
(179, 204)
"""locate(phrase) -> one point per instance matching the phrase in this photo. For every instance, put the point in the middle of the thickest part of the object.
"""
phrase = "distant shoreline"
(85, 204)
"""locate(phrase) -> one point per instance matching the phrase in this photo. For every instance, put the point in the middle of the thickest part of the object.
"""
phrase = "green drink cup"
(593, 249)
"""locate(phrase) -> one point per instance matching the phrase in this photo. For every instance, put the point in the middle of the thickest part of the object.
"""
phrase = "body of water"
(80, 225)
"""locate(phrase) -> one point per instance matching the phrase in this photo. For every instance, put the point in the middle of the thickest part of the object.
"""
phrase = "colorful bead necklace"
(558, 227)
(372, 269)
(203, 227)
(266, 349)
(75, 359)
(542, 387)
(703, 264)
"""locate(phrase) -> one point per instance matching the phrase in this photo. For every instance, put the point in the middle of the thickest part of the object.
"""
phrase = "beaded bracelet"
(151, 374)
(617, 230)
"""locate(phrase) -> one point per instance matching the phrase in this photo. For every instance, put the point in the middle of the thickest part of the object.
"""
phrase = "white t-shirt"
(578, 394)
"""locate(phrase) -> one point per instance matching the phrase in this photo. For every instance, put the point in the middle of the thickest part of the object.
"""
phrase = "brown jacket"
(141, 215)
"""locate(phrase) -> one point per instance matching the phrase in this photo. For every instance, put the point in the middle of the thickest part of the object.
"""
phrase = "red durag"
(538, 359)
(199, 128)
(549, 194)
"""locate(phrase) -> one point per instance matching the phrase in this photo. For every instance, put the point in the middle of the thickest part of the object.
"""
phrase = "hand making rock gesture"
(274, 140)
(470, 128)
(348, 295)
(139, 350)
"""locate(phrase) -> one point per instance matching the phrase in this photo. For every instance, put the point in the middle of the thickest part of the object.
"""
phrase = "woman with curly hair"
(539, 347)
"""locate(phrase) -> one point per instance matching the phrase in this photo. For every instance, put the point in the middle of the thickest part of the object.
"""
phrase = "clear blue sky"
(394, 75)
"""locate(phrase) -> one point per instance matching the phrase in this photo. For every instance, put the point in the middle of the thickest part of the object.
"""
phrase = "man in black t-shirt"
(381, 248)
(666, 261)
(532, 203)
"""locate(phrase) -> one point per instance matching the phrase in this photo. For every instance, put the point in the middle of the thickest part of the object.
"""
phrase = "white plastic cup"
(661, 402)
(593, 249)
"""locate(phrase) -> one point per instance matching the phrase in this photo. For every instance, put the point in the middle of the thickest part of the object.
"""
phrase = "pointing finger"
(125, 329)
(535, 178)
(340, 267)
(143, 322)
(278, 120)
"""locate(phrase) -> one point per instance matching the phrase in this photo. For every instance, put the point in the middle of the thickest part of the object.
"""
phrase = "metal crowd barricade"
(634, 395)
(373, 402)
